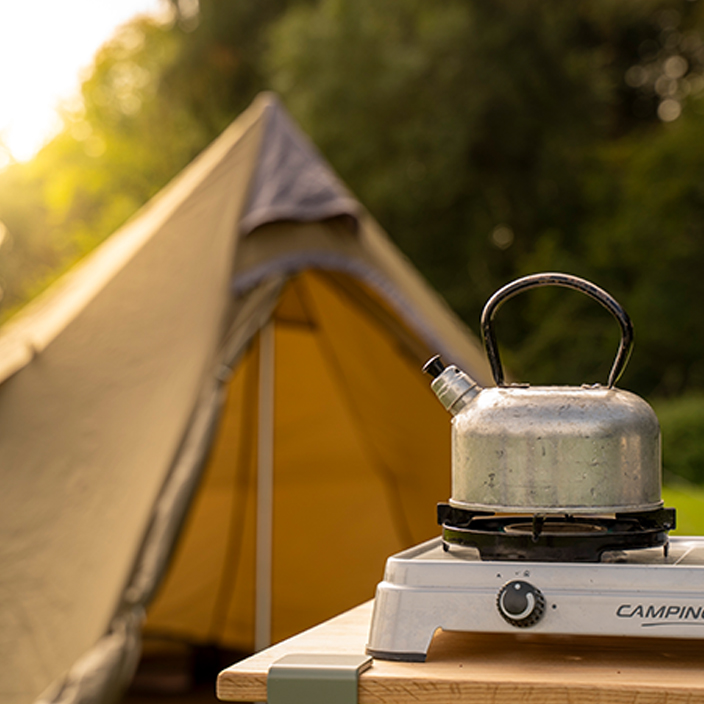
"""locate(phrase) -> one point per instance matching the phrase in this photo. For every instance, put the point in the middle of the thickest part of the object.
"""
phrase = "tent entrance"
(348, 402)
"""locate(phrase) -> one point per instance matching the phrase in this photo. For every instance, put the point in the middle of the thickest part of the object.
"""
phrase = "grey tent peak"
(289, 264)
(292, 180)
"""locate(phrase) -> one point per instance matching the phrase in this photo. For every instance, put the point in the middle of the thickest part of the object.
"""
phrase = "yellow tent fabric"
(130, 418)
(356, 469)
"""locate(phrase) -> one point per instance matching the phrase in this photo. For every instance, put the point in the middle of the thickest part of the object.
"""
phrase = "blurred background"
(490, 138)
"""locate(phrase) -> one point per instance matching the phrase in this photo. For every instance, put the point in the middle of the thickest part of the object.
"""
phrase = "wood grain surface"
(466, 668)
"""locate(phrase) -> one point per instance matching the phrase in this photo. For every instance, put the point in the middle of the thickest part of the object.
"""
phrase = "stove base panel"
(643, 593)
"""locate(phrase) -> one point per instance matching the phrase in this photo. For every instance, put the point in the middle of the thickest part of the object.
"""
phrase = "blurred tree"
(119, 145)
(466, 127)
(682, 422)
(643, 238)
(157, 94)
(491, 138)
(220, 67)
(494, 139)
(124, 141)
(27, 256)
(651, 245)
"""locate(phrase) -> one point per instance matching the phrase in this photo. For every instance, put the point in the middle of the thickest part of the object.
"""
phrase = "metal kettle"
(589, 449)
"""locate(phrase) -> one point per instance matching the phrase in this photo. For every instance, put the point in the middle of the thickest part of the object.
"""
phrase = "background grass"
(689, 502)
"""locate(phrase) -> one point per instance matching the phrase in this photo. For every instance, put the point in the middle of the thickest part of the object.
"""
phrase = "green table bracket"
(315, 678)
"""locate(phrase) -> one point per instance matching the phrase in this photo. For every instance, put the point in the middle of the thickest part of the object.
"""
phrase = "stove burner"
(559, 538)
(563, 528)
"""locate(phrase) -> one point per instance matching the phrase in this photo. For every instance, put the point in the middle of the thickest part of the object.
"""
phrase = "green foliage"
(27, 255)
(117, 149)
(125, 141)
(689, 502)
(219, 68)
(450, 120)
(492, 138)
(156, 96)
(682, 424)
(656, 245)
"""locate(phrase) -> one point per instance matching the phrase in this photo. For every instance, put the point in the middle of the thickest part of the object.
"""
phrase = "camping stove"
(555, 524)
(650, 592)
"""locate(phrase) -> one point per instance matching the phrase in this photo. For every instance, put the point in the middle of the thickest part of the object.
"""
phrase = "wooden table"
(465, 668)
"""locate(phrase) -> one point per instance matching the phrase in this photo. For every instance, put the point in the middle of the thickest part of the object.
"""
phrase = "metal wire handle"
(567, 281)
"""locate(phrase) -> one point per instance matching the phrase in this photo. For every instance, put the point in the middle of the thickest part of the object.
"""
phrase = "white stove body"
(636, 593)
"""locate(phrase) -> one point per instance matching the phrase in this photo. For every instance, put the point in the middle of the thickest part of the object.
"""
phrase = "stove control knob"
(520, 603)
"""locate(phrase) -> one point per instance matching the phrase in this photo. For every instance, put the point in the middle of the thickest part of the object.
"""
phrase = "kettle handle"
(567, 281)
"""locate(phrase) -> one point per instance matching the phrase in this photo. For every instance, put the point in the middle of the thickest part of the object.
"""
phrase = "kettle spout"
(451, 385)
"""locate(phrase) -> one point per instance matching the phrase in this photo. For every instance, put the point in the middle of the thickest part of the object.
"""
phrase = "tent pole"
(265, 488)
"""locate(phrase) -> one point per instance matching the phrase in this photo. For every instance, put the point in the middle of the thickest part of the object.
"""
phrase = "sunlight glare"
(44, 46)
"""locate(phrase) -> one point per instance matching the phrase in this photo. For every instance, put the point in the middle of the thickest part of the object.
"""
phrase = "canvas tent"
(217, 417)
